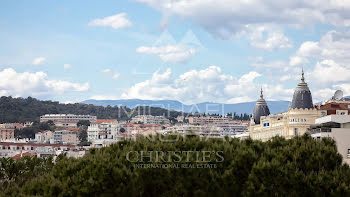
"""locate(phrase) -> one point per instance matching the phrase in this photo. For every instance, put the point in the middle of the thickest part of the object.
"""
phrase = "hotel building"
(295, 121)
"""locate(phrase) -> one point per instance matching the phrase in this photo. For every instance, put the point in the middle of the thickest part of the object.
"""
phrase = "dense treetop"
(301, 166)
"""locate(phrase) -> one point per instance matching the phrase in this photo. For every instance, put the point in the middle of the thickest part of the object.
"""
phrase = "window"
(348, 155)
(295, 131)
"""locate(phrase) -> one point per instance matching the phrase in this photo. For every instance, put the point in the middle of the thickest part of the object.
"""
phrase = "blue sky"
(191, 51)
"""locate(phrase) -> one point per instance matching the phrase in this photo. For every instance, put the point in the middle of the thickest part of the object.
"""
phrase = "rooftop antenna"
(338, 95)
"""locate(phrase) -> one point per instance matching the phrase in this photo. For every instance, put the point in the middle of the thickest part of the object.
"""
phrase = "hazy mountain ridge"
(246, 107)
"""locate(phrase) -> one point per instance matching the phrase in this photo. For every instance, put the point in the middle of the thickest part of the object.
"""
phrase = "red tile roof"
(72, 129)
(99, 121)
(18, 156)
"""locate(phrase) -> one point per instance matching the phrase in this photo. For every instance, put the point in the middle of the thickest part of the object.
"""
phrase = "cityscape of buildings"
(328, 119)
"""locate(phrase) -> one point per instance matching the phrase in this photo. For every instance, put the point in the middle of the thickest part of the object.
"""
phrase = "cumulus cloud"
(194, 86)
(334, 45)
(39, 60)
(117, 21)
(67, 66)
(226, 17)
(169, 53)
(329, 71)
(106, 70)
(267, 38)
(298, 61)
(39, 84)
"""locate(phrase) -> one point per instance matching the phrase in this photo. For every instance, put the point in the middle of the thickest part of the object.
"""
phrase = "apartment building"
(103, 129)
(196, 129)
(228, 126)
(334, 124)
(45, 137)
(65, 137)
(141, 129)
(66, 118)
(148, 119)
(7, 132)
(66, 124)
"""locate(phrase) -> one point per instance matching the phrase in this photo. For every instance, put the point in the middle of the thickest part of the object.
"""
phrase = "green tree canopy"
(301, 166)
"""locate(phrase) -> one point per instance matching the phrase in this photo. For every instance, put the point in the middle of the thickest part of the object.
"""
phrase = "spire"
(302, 75)
(261, 93)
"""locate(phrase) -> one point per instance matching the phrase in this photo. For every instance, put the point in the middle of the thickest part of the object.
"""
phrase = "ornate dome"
(302, 98)
(261, 109)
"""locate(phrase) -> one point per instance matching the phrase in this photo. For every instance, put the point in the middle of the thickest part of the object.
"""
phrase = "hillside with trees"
(30, 109)
(301, 166)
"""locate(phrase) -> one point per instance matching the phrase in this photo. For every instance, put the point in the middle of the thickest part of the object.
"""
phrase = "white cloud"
(106, 70)
(323, 94)
(39, 60)
(194, 86)
(274, 41)
(224, 18)
(334, 45)
(35, 84)
(116, 75)
(169, 53)
(329, 71)
(67, 66)
(104, 97)
(117, 21)
(332, 63)
(298, 61)
(267, 38)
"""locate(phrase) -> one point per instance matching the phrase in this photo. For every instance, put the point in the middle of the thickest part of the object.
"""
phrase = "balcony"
(319, 130)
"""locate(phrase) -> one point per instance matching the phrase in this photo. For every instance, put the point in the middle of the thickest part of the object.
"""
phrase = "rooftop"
(333, 118)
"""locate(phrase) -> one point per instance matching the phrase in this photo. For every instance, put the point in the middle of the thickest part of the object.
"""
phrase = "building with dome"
(300, 115)
(260, 109)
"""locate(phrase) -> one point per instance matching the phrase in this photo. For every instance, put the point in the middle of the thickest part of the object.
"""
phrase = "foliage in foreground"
(298, 167)
(18, 172)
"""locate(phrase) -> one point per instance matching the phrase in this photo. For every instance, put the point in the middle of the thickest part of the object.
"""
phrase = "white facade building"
(66, 118)
(44, 137)
(338, 128)
(10, 149)
(103, 129)
(228, 125)
(148, 119)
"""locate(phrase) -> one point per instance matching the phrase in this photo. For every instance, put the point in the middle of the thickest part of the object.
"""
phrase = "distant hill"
(30, 109)
(240, 108)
